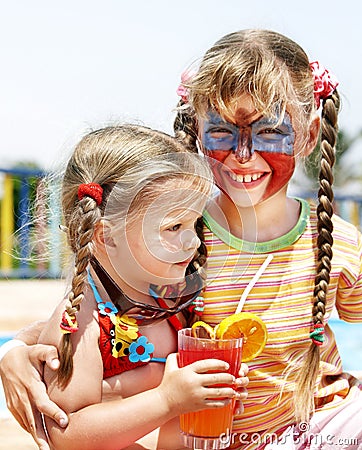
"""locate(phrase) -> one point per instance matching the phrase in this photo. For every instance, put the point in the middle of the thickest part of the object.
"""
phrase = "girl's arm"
(30, 334)
(119, 423)
(21, 371)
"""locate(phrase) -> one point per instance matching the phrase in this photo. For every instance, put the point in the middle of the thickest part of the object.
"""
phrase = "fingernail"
(55, 363)
(63, 421)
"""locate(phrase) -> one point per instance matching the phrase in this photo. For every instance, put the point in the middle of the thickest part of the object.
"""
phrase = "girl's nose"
(244, 152)
(189, 240)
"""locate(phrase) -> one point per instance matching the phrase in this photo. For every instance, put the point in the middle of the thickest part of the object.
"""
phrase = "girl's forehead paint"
(244, 118)
(267, 134)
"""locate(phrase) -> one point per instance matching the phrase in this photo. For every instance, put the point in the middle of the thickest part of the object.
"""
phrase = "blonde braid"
(304, 400)
(87, 215)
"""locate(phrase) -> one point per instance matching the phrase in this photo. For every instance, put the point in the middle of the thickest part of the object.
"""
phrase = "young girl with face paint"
(131, 200)
(252, 108)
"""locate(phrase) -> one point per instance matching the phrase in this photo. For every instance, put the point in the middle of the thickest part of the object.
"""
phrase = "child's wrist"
(165, 401)
(9, 345)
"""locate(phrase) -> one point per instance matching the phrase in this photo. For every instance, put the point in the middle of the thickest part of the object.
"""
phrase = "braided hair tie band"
(92, 190)
(68, 324)
(317, 335)
(325, 83)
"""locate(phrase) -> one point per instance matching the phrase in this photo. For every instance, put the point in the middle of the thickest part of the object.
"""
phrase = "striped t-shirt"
(283, 298)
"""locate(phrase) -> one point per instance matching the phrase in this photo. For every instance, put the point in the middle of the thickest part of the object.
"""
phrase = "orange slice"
(202, 330)
(248, 326)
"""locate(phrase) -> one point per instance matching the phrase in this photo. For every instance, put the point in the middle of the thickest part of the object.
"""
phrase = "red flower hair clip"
(93, 190)
(324, 82)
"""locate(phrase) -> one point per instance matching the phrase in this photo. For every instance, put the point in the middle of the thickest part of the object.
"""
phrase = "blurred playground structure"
(30, 238)
(31, 241)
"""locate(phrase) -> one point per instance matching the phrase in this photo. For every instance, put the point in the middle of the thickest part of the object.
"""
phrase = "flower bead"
(141, 350)
(107, 308)
(125, 333)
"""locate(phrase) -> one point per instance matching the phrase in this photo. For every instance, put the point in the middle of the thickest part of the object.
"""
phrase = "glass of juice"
(208, 429)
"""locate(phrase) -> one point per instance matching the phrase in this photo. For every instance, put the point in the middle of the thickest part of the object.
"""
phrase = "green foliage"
(312, 163)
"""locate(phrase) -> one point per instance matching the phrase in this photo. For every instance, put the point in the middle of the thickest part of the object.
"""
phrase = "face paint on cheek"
(216, 163)
(282, 170)
(218, 155)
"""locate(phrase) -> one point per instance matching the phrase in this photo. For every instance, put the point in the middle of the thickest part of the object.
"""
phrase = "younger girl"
(252, 108)
(131, 200)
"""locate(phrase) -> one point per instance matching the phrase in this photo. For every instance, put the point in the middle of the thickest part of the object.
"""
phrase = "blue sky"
(71, 65)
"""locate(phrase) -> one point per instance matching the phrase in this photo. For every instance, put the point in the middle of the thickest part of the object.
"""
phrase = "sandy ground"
(22, 302)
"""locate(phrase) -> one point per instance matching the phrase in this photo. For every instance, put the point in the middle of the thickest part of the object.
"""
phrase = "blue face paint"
(263, 135)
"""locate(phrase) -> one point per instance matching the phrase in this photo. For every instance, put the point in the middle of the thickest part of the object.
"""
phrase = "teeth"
(245, 178)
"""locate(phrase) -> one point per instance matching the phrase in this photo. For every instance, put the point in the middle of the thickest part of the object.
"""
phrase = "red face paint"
(282, 167)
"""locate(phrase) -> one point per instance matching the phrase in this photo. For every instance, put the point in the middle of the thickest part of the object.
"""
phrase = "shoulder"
(344, 232)
(86, 318)
(346, 235)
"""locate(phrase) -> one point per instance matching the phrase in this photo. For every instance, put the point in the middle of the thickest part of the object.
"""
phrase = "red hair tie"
(92, 190)
(325, 82)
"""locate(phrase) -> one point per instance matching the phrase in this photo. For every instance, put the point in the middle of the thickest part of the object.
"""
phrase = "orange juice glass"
(208, 429)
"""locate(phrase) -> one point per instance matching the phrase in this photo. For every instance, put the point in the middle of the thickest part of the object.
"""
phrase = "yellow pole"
(355, 214)
(7, 224)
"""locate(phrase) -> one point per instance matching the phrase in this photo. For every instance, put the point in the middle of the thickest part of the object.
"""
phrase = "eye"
(174, 227)
(270, 131)
(219, 133)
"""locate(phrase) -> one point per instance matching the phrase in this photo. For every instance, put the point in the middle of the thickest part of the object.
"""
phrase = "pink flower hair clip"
(182, 91)
(325, 83)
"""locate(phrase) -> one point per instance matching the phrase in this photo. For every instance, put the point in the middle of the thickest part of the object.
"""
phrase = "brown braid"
(306, 383)
(185, 126)
(198, 263)
(325, 206)
(81, 237)
(202, 251)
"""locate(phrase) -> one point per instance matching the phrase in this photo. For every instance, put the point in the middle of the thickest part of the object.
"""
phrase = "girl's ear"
(102, 237)
(312, 141)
